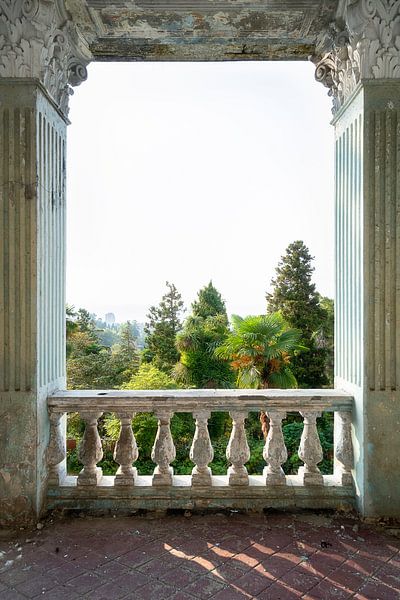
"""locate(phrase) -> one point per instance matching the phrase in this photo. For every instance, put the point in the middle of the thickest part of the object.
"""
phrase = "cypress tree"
(164, 322)
(295, 297)
(209, 303)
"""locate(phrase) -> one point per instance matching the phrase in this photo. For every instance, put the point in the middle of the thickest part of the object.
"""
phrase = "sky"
(191, 172)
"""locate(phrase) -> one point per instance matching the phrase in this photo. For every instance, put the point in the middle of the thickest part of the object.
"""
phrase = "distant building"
(109, 318)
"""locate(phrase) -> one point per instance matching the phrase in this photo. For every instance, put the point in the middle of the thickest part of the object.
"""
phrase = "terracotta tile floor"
(221, 556)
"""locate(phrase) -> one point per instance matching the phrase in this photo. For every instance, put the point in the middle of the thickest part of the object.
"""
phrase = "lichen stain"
(17, 511)
(30, 189)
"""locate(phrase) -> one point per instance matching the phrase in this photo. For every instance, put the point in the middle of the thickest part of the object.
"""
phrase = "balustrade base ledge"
(181, 495)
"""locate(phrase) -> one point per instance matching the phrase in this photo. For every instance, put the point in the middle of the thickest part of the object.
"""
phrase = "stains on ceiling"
(203, 29)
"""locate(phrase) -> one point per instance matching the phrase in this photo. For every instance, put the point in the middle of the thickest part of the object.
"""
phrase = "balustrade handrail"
(289, 400)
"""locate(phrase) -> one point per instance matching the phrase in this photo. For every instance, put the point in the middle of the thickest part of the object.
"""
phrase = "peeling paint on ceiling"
(202, 29)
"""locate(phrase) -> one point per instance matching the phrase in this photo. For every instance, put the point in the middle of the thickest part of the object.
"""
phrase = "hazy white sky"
(191, 172)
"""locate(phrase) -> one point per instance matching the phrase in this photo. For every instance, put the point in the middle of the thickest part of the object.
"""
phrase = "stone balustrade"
(237, 489)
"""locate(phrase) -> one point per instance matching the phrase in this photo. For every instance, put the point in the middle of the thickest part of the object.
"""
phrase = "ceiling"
(202, 29)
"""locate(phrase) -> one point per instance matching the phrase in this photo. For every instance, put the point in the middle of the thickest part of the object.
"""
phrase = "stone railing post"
(238, 452)
(56, 451)
(201, 451)
(343, 448)
(90, 450)
(275, 453)
(163, 452)
(310, 450)
(125, 451)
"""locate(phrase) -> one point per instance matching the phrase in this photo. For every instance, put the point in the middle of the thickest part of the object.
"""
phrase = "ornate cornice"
(37, 40)
(364, 43)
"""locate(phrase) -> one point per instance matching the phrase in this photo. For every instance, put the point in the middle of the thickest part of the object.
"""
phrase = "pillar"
(362, 72)
(39, 58)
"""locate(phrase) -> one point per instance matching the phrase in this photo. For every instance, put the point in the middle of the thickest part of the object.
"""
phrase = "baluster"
(125, 451)
(90, 450)
(238, 452)
(201, 451)
(163, 452)
(310, 450)
(344, 458)
(56, 451)
(275, 453)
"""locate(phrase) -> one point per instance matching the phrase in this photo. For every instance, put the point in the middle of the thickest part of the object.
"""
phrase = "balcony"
(237, 489)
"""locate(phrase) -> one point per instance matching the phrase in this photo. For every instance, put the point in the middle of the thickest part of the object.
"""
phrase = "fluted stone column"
(362, 72)
(39, 58)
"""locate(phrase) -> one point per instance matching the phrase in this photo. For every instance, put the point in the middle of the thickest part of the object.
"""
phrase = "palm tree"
(259, 349)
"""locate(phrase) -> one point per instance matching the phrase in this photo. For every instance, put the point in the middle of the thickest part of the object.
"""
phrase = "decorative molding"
(364, 43)
(38, 40)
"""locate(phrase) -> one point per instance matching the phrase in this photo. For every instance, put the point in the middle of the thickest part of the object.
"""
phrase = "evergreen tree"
(324, 337)
(85, 321)
(209, 303)
(90, 364)
(295, 297)
(204, 330)
(124, 355)
(164, 322)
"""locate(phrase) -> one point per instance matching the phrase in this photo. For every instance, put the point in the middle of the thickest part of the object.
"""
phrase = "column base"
(274, 478)
(160, 479)
(125, 479)
(239, 477)
(201, 479)
(310, 478)
(345, 478)
(88, 479)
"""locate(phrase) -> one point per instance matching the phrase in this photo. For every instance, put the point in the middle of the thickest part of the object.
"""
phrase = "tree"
(148, 377)
(259, 349)
(91, 365)
(85, 321)
(209, 303)
(71, 327)
(324, 337)
(124, 360)
(204, 330)
(164, 322)
(295, 297)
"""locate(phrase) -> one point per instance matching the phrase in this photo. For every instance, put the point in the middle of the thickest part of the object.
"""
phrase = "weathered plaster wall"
(32, 288)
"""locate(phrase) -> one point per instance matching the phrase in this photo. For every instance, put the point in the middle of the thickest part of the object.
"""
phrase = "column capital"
(38, 40)
(363, 43)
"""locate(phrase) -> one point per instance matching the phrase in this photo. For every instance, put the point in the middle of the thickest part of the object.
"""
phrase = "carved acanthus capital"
(37, 40)
(365, 44)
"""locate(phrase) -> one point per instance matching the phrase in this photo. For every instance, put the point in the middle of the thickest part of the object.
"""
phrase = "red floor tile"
(271, 557)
